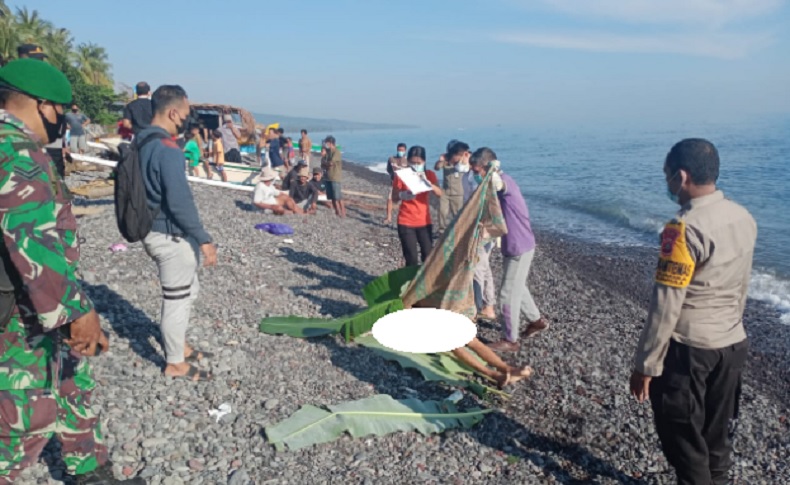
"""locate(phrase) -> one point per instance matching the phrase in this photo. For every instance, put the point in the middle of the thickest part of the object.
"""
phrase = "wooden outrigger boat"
(238, 173)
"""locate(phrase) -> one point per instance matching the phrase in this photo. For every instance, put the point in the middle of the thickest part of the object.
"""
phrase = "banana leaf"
(377, 415)
(300, 326)
(429, 365)
(388, 286)
(362, 322)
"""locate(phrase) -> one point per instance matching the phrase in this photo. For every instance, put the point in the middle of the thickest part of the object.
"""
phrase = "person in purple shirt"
(518, 249)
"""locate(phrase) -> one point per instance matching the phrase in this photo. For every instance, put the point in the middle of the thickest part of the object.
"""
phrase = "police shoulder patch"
(675, 263)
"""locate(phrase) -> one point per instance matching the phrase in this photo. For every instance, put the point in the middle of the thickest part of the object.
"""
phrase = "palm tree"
(9, 35)
(58, 44)
(31, 27)
(93, 63)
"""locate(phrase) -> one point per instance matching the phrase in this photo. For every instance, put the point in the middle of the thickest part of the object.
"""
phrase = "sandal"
(197, 356)
(481, 318)
(194, 374)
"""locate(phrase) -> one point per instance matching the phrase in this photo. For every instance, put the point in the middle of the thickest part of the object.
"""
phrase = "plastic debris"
(118, 247)
(455, 397)
(222, 410)
(288, 241)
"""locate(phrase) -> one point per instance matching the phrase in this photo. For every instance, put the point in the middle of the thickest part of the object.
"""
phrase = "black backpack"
(131, 202)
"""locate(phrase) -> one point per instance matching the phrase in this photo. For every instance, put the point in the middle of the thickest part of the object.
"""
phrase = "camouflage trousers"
(30, 418)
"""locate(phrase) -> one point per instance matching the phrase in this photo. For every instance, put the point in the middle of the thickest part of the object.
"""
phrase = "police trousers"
(694, 402)
(177, 259)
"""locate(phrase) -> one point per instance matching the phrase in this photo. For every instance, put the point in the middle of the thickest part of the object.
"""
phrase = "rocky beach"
(573, 422)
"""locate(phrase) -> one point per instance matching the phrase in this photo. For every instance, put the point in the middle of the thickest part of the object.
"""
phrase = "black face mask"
(182, 128)
(54, 130)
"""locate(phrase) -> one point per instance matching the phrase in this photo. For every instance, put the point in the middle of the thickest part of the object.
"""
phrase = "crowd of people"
(689, 359)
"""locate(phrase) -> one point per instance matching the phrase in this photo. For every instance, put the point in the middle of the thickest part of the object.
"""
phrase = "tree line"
(86, 65)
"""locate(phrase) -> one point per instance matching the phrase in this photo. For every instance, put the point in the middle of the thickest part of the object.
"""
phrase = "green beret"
(37, 79)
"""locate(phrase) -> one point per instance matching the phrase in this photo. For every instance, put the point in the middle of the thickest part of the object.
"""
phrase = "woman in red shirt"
(414, 216)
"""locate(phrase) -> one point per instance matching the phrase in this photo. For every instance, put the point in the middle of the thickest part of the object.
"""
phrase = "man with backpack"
(171, 232)
(47, 323)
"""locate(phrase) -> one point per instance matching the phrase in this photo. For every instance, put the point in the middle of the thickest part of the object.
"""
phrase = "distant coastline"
(293, 124)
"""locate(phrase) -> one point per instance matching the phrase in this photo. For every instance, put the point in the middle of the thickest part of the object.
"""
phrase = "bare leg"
(507, 374)
(289, 204)
(467, 358)
(389, 211)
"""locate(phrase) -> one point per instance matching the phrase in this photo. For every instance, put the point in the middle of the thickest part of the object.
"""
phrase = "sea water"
(605, 183)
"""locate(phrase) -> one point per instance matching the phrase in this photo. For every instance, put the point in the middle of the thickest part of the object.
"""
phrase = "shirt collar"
(698, 202)
(9, 119)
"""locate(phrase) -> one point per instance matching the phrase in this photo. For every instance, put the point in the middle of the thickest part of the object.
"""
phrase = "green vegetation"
(86, 65)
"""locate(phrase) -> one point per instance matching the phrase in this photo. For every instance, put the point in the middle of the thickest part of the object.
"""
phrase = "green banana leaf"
(362, 322)
(431, 366)
(388, 286)
(377, 415)
(300, 326)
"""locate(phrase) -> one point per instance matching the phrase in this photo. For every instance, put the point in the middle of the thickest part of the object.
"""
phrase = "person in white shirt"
(267, 196)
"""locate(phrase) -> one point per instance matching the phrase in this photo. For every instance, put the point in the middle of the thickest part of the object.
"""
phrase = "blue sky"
(453, 62)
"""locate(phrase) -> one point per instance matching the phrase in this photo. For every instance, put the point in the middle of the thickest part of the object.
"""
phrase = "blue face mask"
(478, 178)
(401, 154)
(418, 167)
(673, 197)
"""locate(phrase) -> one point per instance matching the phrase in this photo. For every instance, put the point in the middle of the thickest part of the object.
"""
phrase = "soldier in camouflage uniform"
(48, 324)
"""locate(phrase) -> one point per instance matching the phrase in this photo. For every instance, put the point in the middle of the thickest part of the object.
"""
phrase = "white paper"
(413, 181)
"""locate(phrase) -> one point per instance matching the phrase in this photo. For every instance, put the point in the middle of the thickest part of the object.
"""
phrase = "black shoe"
(103, 476)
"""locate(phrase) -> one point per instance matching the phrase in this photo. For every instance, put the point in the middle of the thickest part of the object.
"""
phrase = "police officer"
(690, 357)
(47, 323)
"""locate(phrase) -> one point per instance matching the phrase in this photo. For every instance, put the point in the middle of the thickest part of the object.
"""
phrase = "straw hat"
(303, 172)
(267, 174)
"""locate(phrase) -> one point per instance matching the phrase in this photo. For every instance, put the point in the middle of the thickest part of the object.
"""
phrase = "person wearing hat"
(57, 149)
(230, 139)
(332, 162)
(292, 176)
(268, 197)
(30, 51)
(320, 186)
(48, 324)
(302, 192)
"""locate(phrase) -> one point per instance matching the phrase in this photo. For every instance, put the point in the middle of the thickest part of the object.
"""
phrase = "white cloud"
(696, 12)
(719, 45)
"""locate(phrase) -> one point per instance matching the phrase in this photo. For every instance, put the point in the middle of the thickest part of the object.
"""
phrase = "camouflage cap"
(37, 79)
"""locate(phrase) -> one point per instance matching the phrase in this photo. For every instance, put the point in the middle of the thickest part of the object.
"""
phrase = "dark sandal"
(192, 372)
(197, 356)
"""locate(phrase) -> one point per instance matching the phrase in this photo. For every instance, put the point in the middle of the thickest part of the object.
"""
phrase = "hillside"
(294, 124)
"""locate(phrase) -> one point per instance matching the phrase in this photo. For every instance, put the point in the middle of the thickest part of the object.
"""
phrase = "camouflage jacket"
(40, 236)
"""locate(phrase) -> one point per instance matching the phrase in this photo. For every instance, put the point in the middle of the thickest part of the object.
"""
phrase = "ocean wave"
(773, 290)
(380, 167)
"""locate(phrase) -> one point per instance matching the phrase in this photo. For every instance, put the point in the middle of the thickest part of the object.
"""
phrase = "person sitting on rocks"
(267, 196)
(291, 177)
(303, 192)
(320, 185)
